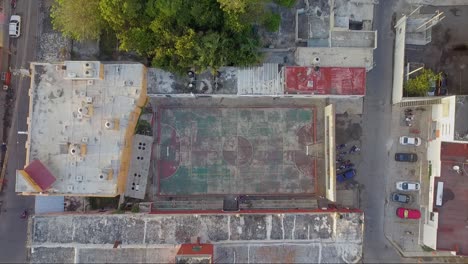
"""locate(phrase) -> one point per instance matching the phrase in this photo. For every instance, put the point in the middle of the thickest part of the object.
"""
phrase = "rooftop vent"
(83, 110)
(88, 65)
(88, 73)
(109, 124)
(74, 150)
(128, 83)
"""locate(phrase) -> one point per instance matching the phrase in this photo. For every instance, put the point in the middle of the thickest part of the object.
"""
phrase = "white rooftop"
(77, 125)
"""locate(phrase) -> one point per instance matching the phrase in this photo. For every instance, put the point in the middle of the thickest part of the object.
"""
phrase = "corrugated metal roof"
(264, 80)
(49, 204)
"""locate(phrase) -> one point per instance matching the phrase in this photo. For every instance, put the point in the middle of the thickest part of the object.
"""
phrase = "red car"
(406, 213)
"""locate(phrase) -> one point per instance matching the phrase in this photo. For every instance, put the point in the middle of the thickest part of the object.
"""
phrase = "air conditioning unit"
(70, 188)
(79, 178)
(89, 99)
(90, 82)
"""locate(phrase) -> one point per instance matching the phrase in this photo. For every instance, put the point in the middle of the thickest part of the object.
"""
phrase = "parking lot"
(405, 233)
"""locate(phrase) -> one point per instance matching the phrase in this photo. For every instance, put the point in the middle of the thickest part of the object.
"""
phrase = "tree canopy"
(175, 34)
(78, 19)
(421, 84)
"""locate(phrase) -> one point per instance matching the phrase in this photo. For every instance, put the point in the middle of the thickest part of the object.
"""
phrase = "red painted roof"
(196, 249)
(452, 232)
(40, 174)
(327, 80)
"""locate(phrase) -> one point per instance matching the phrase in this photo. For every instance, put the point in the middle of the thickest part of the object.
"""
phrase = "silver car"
(408, 186)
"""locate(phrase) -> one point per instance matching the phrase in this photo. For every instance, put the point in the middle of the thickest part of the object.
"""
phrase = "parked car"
(406, 213)
(14, 28)
(406, 157)
(346, 175)
(410, 141)
(408, 186)
(401, 198)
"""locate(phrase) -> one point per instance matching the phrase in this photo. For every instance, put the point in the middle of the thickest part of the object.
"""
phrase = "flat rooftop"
(452, 229)
(81, 121)
(255, 238)
(325, 80)
(226, 146)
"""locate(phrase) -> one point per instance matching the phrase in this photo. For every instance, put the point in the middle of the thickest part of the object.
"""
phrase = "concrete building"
(336, 33)
(251, 180)
(446, 225)
(225, 238)
(81, 125)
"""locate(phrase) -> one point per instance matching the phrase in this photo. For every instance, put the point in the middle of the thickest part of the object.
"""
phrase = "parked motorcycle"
(341, 146)
(354, 149)
(24, 215)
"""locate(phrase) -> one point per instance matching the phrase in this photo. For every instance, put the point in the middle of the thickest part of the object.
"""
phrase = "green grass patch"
(143, 127)
(430, 170)
(136, 208)
(96, 203)
(272, 21)
(286, 3)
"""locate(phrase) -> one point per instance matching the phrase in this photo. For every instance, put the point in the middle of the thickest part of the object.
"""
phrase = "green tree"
(179, 34)
(421, 84)
(272, 21)
(77, 19)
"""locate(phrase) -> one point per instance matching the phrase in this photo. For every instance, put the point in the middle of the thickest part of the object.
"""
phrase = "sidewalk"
(6, 97)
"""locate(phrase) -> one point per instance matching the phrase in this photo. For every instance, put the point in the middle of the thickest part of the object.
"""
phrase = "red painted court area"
(325, 80)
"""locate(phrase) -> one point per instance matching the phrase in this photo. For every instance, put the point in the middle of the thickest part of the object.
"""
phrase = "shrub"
(135, 208)
(272, 22)
(286, 3)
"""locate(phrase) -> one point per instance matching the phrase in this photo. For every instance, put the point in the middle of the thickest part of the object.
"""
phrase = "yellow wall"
(128, 139)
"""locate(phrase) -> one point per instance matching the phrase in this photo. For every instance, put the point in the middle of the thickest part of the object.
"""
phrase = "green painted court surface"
(216, 151)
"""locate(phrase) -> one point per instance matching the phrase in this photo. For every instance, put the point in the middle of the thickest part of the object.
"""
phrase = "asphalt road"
(13, 230)
(378, 140)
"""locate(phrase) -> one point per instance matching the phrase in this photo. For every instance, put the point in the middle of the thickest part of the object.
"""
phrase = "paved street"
(12, 228)
(378, 142)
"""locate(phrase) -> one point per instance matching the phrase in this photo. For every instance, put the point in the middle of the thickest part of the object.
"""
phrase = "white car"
(410, 141)
(14, 28)
(408, 186)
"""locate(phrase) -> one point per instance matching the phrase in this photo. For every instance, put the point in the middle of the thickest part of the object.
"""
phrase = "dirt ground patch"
(448, 51)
